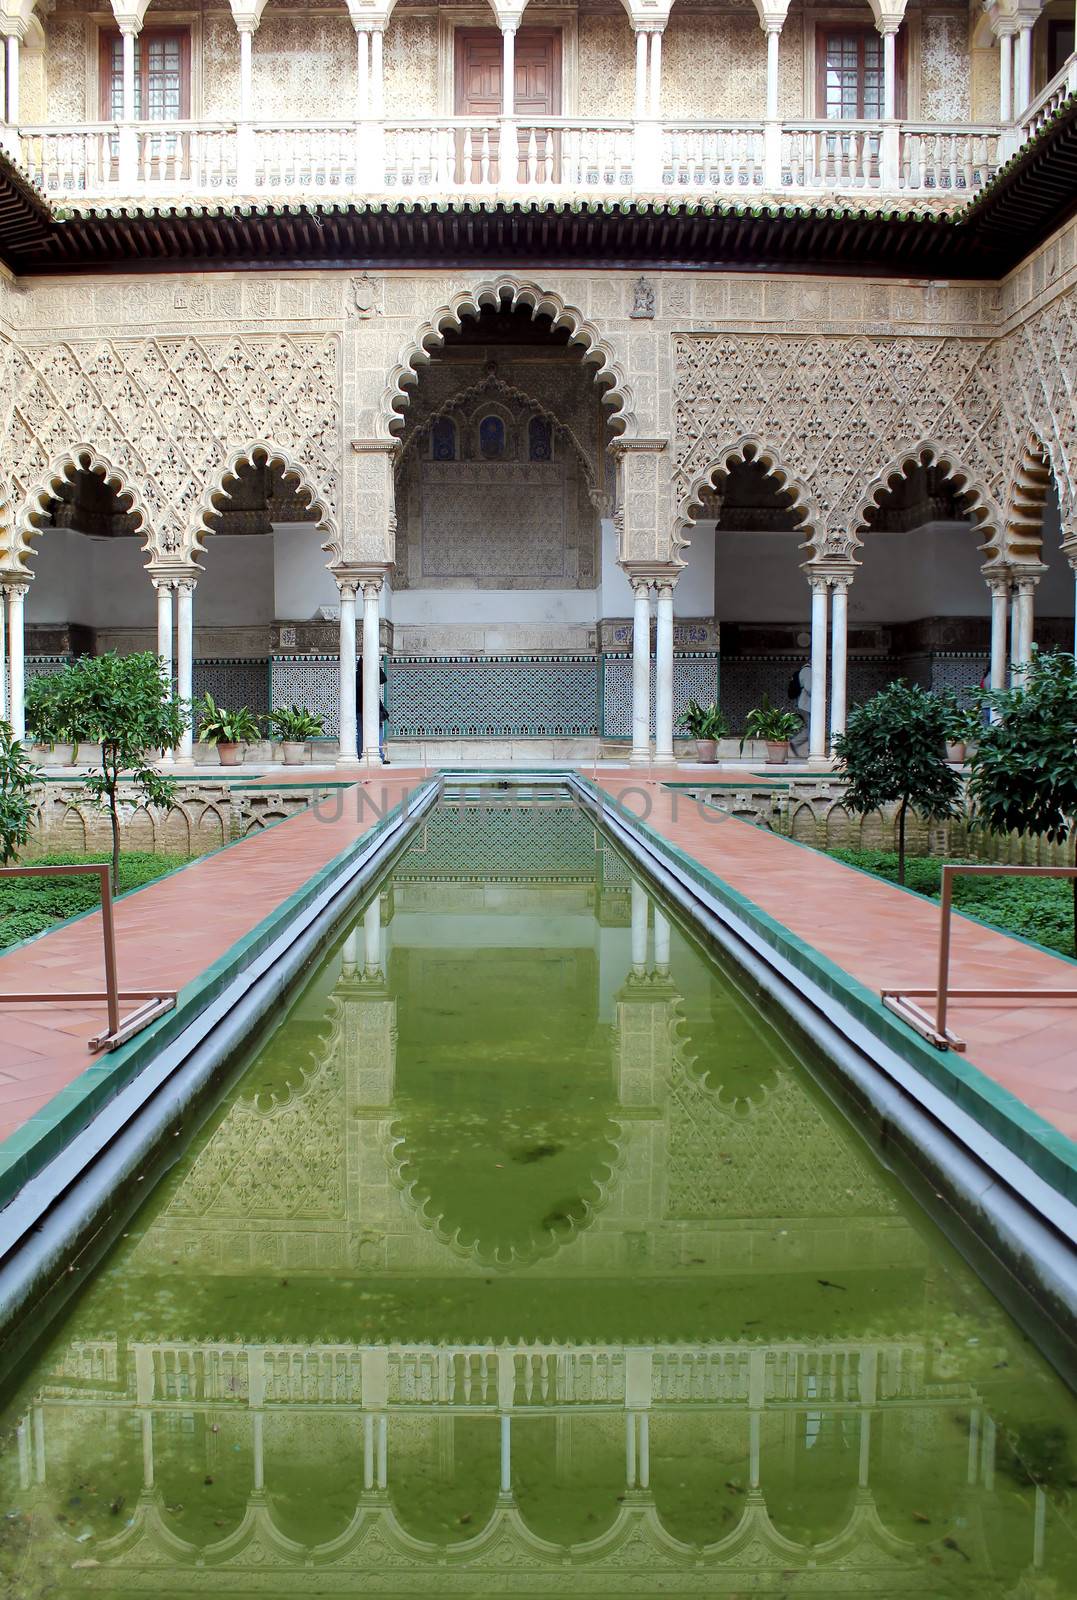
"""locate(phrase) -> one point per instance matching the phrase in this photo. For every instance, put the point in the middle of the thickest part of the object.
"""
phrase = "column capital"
(20, 588)
(998, 579)
(1069, 549)
(827, 575)
(186, 584)
(359, 574)
(247, 14)
(162, 584)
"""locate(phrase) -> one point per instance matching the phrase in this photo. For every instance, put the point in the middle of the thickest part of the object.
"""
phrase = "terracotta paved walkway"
(167, 933)
(886, 938)
(170, 932)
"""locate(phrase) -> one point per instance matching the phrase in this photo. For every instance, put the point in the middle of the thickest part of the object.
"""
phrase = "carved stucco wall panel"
(220, 66)
(944, 67)
(304, 64)
(169, 414)
(66, 91)
(607, 66)
(726, 54)
(411, 65)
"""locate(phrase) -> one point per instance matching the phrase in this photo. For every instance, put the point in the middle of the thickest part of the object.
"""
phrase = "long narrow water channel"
(527, 1258)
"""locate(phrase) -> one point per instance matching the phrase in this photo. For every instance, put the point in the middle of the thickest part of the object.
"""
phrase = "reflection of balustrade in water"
(478, 1377)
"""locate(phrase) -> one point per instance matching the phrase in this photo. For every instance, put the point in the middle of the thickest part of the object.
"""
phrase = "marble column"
(508, 72)
(164, 639)
(185, 665)
(640, 103)
(839, 653)
(663, 670)
(889, 33)
(774, 32)
(13, 79)
(348, 754)
(641, 672)
(377, 72)
(362, 79)
(1005, 75)
(16, 595)
(817, 712)
(372, 939)
(129, 37)
(999, 586)
(1025, 590)
(3, 657)
(371, 672)
(654, 107)
(1023, 73)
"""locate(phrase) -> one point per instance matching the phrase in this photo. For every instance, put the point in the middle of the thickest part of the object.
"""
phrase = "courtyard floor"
(173, 930)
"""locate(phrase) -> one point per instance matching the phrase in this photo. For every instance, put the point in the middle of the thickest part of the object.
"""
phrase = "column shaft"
(641, 672)
(128, 37)
(655, 107)
(377, 73)
(889, 77)
(839, 623)
(16, 594)
(640, 909)
(508, 74)
(1023, 92)
(348, 755)
(773, 35)
(506, 1455)
(13, 79)
(246, 77)
(164, 638)
(362, 87)
(661, 941)
(663, 666)
(1005, 78)
(3, 657)
(371, 675)
(640, 105)
(185, 663)
(817, 714)
(1000, 604)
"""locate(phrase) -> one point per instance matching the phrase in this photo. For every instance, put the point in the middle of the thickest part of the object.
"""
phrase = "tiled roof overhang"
(1031, 196)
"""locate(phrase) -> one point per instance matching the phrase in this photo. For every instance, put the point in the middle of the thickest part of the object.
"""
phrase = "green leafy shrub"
(1034, 908)
(30, 905)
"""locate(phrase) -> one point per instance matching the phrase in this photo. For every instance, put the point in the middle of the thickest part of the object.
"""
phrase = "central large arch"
(515, 292)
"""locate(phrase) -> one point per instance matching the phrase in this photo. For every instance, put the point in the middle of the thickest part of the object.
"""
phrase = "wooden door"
(478, 92)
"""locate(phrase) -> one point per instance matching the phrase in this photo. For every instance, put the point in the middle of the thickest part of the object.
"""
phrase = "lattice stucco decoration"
(695, 677)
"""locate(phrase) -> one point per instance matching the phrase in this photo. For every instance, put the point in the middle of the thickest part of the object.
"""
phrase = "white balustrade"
(560, 155)
(1050, 100)
(947, 159)
(709, 155)
(832, 155)
(307, 155)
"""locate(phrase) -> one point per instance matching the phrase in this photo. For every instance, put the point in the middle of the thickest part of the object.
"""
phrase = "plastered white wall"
(302, 583)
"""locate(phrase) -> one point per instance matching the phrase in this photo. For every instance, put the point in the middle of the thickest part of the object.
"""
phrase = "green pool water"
(527, 1258)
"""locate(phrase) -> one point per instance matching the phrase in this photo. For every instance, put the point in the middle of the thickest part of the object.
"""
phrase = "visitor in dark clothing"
(383, 715)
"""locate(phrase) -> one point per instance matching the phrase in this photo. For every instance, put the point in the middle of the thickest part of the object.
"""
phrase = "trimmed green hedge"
(1039, 909)
(30, 905)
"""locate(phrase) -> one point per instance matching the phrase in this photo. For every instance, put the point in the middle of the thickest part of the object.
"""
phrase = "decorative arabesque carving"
(170, 417)
(838, 412)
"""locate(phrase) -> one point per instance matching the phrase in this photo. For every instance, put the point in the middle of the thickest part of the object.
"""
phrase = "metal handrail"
(902, 1002)
(155, 1001)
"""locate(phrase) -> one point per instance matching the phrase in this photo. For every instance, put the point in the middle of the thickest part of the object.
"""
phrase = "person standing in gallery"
(383, 715)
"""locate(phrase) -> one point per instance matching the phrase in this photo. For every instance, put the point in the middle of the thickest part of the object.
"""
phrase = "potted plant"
(774, 726)
(48, 719)
(962, 727)
(228, 730)
(706, 725)
(294, 726)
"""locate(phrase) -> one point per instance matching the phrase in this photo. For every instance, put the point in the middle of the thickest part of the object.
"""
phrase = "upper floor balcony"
(407, 100)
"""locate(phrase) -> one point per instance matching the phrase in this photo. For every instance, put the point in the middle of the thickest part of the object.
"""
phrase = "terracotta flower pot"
(294, 752)
(777, 752)
(955, 752)
(230, 755)
(706, 750)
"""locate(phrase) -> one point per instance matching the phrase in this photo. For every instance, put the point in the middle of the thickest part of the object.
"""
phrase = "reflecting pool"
(527, 1258)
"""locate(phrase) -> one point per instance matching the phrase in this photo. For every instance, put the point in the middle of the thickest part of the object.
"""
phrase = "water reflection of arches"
(622, 1420)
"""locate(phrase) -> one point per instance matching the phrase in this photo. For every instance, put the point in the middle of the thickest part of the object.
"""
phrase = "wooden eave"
(1034, 194)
